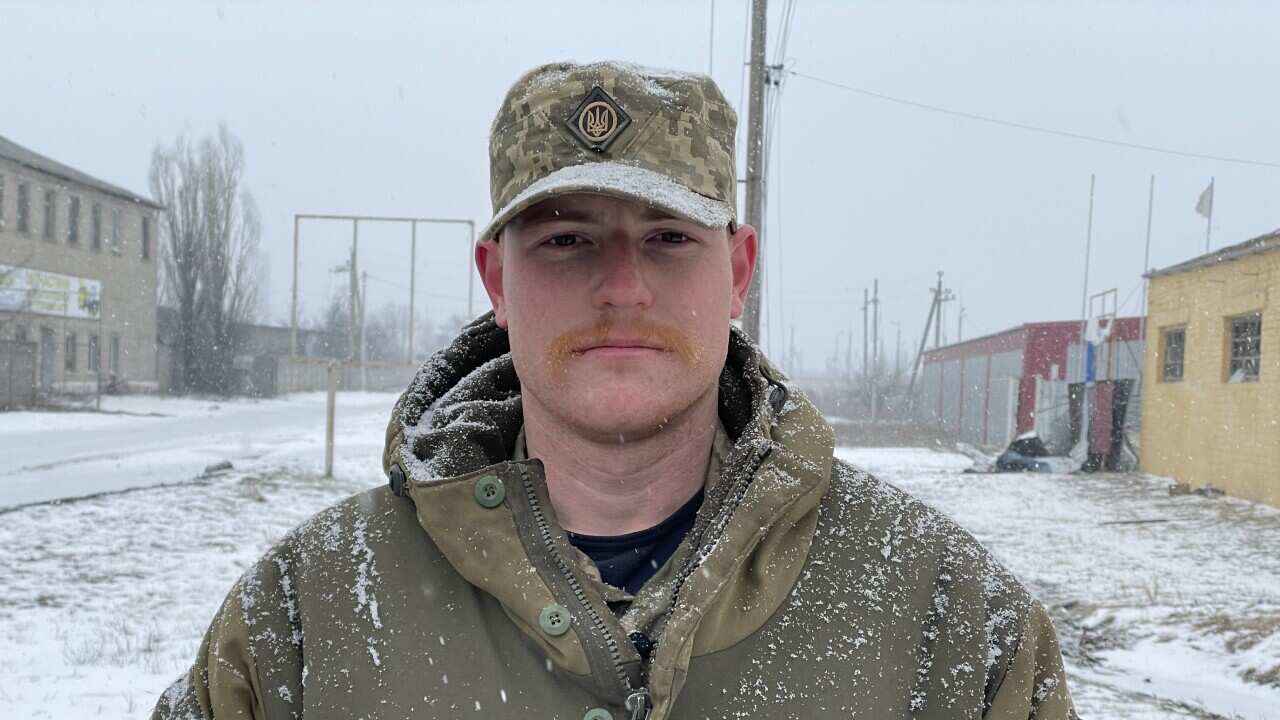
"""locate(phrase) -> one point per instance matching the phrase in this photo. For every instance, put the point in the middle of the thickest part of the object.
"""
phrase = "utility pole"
(1208, 225)
(924, 341)
(940, 296)
(1082, 444)
(364, 297)
(935, 311)
(353, 286)
(960, 324)
(875, 348)
(711, 42)
(413, 277)
(866, 303)
(897, 358)
(1146, 259)
(293, 306)
(755, 162)
(937, 330)
(875, 327)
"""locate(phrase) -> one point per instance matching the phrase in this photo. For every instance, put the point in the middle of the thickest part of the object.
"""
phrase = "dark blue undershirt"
(628, 561)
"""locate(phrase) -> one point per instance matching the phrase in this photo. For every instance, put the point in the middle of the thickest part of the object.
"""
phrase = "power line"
(400, 286)
(1036, 128)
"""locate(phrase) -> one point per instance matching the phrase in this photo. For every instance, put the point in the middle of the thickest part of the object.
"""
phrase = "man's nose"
(622, 281)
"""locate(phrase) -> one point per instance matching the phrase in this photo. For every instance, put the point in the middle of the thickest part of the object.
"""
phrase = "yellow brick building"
(1211, 415)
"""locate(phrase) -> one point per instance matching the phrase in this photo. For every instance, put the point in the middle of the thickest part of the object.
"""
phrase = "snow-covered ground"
(105, 599)
(1166, 606)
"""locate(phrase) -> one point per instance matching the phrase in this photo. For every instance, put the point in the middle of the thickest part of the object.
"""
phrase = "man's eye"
(564, 241)
(673, 237)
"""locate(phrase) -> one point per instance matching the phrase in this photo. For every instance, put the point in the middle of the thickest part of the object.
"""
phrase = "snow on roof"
(31, 159)
(1256, 246)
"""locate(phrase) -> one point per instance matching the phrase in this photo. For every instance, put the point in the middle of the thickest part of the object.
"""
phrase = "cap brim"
(619, 180)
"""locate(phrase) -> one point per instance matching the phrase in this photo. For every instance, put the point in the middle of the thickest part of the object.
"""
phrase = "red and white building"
(988, 390)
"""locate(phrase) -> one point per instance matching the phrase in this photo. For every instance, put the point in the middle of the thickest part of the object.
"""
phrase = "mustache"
(578, 340)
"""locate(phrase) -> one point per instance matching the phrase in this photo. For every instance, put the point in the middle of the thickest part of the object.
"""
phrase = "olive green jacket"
(806, 588)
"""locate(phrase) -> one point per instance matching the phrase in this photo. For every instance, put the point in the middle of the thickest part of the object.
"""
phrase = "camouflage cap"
(660, 137)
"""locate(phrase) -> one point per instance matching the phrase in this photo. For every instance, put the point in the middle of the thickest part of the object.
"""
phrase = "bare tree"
(386, 337)
(210, 231)
(334, 324)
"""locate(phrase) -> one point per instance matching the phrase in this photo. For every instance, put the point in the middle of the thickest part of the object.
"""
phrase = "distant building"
(1212, 415)
(988, 390)
(78, 259)
(262, 355)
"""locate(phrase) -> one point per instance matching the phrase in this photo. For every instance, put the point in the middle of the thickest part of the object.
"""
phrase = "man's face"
(618, 314)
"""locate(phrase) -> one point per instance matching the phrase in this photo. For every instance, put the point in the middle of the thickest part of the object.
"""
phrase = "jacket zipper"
(637, 701)
(638, 705)
(715, 526)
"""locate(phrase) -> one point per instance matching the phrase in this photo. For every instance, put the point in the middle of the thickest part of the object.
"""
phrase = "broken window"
(1246, 348)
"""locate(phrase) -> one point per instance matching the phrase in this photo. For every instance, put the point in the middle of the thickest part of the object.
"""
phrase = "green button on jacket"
(490, 491)
(554, 620)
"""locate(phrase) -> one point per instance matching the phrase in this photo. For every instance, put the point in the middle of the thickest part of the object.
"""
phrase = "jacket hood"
(473, 393)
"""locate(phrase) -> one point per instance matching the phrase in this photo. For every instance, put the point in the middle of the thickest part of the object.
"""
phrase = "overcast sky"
(344, 109)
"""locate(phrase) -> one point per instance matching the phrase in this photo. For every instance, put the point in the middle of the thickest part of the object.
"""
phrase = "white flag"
(1205, 205)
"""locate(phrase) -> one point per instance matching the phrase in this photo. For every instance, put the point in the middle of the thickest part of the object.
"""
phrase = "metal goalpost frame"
(355, 221)
(1104, 306)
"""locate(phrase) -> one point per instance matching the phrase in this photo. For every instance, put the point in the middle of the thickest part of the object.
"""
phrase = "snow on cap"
(660, 137)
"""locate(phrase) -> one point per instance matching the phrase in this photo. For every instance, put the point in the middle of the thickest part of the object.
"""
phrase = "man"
(604, 502)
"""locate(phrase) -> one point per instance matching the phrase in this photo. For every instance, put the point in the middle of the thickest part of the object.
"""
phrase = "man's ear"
(743, 245)
(489, 264)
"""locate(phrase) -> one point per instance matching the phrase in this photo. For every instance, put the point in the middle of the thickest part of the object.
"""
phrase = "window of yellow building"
(1174, 345)
(1246, 348)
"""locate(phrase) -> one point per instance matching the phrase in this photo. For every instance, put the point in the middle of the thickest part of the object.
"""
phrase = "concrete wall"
(128, 280)
(1204, 429)
(972, 398)
(309, 375)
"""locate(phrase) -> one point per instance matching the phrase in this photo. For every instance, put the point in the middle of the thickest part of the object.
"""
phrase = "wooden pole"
(1146, 260)
(755, 163)
(1208, 226)
(293, 312)
(331, 377)
(413, 276)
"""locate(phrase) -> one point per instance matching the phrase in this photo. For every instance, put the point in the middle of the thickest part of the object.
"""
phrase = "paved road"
(51, 456)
